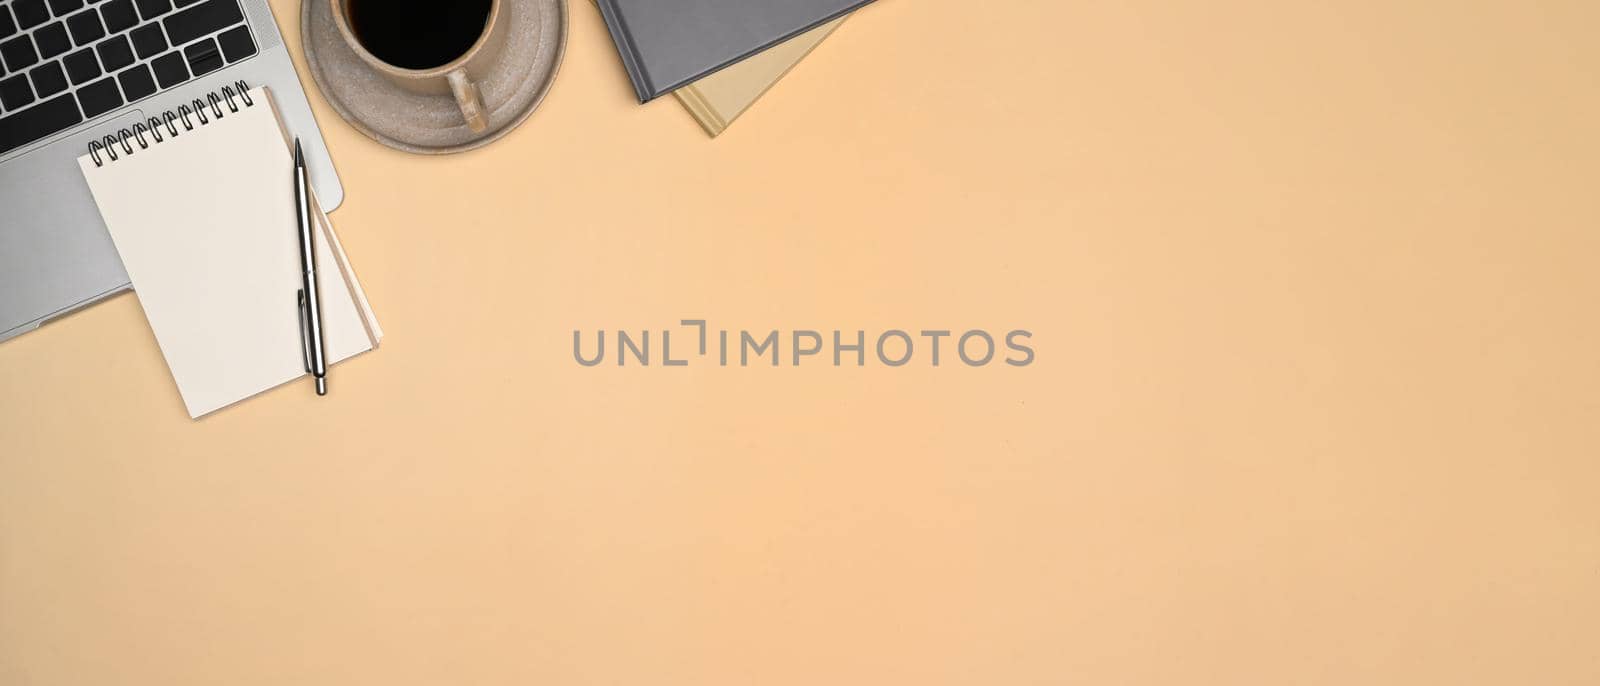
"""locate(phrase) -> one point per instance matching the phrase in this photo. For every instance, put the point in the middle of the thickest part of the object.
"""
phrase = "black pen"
(308, 300)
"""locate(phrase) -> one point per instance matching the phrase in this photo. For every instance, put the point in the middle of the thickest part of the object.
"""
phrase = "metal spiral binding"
(203, 109)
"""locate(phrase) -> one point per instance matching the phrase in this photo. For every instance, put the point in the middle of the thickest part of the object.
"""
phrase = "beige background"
(1313, 293)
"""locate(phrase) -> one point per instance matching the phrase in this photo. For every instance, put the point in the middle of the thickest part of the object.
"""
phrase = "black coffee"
(418, 34)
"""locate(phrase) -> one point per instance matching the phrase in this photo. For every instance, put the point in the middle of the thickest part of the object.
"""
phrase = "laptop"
(72, 71)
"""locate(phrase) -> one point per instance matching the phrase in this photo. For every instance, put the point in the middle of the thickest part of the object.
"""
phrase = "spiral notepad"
(200, 206)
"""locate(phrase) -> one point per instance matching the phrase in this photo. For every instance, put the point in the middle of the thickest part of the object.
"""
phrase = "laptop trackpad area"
(55, 254)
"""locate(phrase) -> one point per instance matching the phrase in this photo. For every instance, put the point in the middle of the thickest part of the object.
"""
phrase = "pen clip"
(305, 329)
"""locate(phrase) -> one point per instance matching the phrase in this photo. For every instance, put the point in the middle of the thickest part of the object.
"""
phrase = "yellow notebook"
(718, 99)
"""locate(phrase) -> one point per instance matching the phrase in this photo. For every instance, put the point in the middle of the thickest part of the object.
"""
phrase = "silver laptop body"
(55, 254)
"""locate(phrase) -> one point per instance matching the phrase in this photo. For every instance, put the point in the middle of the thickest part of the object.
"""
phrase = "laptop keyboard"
(63, 62)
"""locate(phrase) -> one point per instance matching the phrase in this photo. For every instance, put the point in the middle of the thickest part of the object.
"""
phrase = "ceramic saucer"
(432, 124)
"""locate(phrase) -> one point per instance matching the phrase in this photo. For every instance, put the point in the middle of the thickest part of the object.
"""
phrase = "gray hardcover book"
(666, 44)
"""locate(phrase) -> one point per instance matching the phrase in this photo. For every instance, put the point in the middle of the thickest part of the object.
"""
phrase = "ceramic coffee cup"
(458, 77)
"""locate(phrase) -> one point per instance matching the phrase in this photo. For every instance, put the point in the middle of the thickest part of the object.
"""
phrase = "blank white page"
(205, 224)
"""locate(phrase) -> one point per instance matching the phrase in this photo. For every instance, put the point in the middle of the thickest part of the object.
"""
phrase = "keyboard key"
(43, 119)
(170, 69)
(81, 66)
(48, 79)
(136, 82)
(203, 57)
(99, 97)
(119, 15)
(30, 13)
(14, 92)
(63, 7)
(8, 26)
(18, 53)
(148, 40)
(236, 44)
(52, 40)
(85, 27)
(203, 19)
(184, 3)
(115, 53)
(150, 9)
